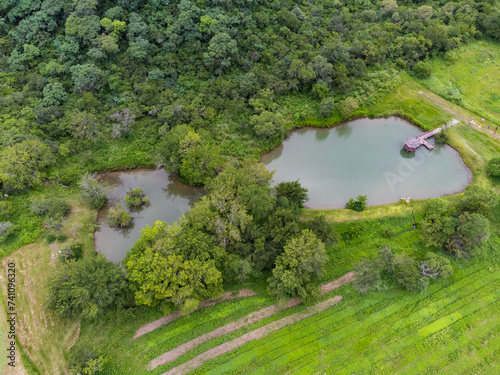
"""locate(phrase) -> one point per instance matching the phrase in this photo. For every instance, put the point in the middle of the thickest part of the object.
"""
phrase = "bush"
(51, 238)
(5, 209)
(118, 217)
(326, 107)
(87, 288)
(422, 70)
(323, 230)
(72, 250)
(51, 207)
(92, 191)
(135, 198)
(348, 107)
(441, 137)
(358, 204)
(293, 192)
(82, 360)
(493, 168)
(6, 228)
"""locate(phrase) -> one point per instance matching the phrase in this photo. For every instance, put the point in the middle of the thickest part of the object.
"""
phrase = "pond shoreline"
(420, 179)
(169, 199)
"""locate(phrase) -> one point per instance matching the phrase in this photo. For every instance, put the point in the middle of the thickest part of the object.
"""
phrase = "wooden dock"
(412, 143)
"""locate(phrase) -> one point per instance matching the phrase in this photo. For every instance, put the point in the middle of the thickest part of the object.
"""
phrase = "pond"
(366, 157)
(169, 199)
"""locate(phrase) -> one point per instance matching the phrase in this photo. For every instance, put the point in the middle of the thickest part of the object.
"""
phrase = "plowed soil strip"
(203, 304)
(254, 335)
(255, 317)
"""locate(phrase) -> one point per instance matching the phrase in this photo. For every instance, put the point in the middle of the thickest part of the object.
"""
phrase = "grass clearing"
(44, 338)
(469, 78)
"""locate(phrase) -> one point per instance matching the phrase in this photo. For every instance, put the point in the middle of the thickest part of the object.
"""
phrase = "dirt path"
(344, 280)
(251, 336)
(177, 314)
(462, 114)
(252, 318)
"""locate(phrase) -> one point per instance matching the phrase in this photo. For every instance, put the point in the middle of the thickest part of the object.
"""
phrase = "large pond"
(169, 199)
(366, 157)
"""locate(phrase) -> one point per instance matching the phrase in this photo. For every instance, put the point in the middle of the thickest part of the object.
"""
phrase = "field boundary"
(252, 318)
(254, 335)
(150, 327)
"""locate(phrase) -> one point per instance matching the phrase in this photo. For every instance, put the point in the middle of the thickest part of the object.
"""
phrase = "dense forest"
(202, 88)
(116, 78)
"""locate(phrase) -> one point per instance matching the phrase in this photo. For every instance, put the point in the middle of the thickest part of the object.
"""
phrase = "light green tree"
(89, 287)
(22, 165)
(268, 125)
(299, 268)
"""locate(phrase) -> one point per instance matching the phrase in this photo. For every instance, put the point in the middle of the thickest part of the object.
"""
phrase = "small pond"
(169, 199)
(366, 157)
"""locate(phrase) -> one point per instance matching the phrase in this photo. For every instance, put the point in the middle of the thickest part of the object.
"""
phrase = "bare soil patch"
(254, 335)
(203, 304)
(252, 318)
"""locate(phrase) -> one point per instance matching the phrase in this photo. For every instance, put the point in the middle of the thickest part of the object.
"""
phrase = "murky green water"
(169, 199)
(366, 157)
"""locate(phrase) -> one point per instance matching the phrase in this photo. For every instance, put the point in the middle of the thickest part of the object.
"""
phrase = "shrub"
(87, 288)
(72, 250)
(478, 199)
(293, 192)
(118, 217)
(367, 275)
(51, 207)
(50, 238)
(442, 137)
(326, 107)
(5, 209)
(6, 228)
(493, 168)
(82, 360)
(135, 198)
(55, 223)
(322, 229)
(422, 70)
(92, 191)
(358, 204)
(348, 107)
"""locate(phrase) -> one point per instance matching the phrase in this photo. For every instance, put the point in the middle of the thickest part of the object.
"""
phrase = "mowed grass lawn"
(453, 328)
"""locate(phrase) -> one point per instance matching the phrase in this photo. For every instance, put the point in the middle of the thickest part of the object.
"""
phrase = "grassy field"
(387, 333)
(469, 77)
(44, 338)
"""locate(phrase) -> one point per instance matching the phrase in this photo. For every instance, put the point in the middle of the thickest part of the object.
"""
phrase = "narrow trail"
(252, 318)
(446, 106)
(203, 304)
(254, 335)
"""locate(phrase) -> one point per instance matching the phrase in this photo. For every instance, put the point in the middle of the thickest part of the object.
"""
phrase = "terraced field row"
(452, 328)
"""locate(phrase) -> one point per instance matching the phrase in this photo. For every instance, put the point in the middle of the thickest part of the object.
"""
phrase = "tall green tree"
(178, 269)
(22, 165)
(299, 268)
(89, 287)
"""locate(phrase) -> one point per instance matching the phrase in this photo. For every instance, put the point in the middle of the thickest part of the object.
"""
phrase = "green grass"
(44, 337)
(379, 333)
(470, 79)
